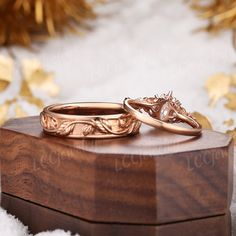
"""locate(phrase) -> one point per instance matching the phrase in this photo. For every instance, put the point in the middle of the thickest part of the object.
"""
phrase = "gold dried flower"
(23, 21)
(203, 120)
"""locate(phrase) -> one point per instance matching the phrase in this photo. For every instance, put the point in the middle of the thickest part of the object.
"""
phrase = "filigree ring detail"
(163, 112)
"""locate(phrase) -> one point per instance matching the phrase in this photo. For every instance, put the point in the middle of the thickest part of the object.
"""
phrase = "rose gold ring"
(88, 120)
(162, 112)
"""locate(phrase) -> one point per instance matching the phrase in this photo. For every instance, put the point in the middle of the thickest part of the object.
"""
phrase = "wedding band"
(163, 112)
(88, 120)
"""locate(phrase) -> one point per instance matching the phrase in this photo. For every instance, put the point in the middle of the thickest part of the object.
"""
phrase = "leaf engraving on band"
(125, 124)
(66, 128)
(88, 129)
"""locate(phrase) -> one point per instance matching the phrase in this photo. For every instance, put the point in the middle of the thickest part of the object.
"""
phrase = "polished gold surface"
(88, 120)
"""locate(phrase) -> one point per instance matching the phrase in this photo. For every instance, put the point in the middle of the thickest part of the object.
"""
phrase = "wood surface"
(39, 219)
(152, 178)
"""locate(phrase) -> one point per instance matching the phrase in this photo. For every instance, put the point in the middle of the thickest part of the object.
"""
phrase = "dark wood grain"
(152, 178)
(30, 214)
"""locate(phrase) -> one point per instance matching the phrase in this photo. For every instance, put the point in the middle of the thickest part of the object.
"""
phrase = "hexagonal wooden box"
(154, 177)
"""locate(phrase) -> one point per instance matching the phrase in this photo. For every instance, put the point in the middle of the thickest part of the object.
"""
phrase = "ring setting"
(163, 112)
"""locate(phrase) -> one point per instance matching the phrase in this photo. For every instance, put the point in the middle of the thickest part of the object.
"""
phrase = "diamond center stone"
(165, 112)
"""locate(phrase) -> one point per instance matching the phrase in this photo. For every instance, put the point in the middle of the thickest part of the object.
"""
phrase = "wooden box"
(147, 180)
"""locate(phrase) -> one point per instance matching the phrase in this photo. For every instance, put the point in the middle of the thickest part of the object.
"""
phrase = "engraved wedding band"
(163, 112)
(88, 120)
